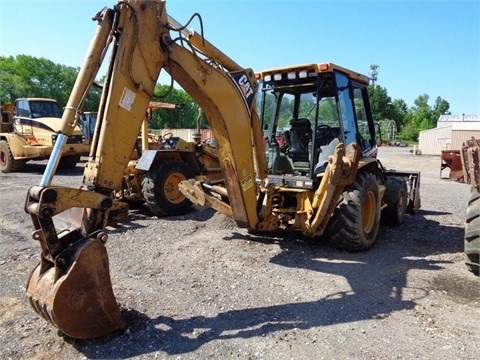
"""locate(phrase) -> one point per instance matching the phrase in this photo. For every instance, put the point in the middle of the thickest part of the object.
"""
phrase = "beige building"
(450, 134)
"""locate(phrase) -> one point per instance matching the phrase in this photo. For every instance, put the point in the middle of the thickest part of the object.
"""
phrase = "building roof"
(459, 118)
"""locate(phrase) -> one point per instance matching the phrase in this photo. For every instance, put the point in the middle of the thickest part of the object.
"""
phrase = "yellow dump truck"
(29, 130)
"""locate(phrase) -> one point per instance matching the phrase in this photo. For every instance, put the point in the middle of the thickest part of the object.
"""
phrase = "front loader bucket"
(75, 294)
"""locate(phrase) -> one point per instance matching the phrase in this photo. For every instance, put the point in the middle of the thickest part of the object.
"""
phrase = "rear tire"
(68, 162)
(356, 220)
(7, 162)
(396, 197)
(472, 234)
(160, 188)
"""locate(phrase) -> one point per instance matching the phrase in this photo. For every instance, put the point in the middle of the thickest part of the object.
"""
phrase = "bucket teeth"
(41, 309)
(78, 299)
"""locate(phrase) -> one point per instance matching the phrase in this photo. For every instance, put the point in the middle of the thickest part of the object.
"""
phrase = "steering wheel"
(323, 126)
(167, 136)
(323, 129)
(165, 140)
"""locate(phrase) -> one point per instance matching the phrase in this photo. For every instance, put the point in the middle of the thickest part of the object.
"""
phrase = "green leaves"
(27, 76)
(410, 121)
(183, 118)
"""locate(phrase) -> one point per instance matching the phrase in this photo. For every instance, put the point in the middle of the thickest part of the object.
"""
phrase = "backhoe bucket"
(75, 293)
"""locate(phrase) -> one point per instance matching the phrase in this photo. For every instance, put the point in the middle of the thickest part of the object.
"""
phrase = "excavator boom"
(71, 285)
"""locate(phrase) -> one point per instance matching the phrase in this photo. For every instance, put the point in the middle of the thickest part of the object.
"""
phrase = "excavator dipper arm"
(71, 286)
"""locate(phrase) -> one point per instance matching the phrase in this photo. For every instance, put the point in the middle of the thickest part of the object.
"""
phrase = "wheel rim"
(171, 190)
(368, 212)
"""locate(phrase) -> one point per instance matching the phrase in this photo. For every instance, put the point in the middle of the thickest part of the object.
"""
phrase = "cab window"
(367, 135)
(23, 108)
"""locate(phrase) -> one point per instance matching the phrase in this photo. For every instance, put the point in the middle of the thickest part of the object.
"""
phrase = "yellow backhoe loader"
(159, 163)
(324, 179)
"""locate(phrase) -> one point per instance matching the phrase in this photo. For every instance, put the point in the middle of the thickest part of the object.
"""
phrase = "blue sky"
(429, 46)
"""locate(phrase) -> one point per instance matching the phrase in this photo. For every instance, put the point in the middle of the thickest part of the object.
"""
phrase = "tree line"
(409, 120)
(28, 76)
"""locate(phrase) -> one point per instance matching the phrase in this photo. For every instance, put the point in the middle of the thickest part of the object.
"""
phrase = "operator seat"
(297, 139)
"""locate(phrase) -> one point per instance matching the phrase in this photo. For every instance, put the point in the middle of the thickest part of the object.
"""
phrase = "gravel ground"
(197, 287)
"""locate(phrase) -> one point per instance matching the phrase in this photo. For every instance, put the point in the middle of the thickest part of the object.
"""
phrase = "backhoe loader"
(325, 179)
(159, 163)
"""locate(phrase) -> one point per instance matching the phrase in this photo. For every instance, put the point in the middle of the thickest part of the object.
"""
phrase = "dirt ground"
(197, 287)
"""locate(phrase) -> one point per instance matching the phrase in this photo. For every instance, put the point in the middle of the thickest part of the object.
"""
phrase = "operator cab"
(306, 111)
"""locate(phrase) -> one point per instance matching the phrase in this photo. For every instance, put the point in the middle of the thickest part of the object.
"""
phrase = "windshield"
(304, 108)
(44, 109)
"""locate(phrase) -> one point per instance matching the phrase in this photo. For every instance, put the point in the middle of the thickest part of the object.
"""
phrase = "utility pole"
(373, 73)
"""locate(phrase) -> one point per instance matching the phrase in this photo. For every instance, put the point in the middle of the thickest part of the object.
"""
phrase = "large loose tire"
(160, 188)
(396, 198)
(355, 222)
(472, 234)
(7, 162)
(68, 162)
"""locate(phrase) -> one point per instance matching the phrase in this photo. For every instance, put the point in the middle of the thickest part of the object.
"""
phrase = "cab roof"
(37, 99)
(317, 68)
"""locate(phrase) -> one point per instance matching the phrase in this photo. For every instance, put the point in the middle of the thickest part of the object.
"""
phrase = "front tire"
(472, 234)
(160, 188)
(396, 197)
(356, 220)
(7, 162)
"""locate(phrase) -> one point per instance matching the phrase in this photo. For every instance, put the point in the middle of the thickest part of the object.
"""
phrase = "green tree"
(400, 110)
(422, 117)
(286, 111)
(441, 107)
(383, 108)
(28, 76)
(184, 118)
(380, 102)
(11, 82)
(327, 111)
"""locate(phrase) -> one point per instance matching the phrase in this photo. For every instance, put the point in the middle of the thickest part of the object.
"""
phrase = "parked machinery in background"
(29, 132)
